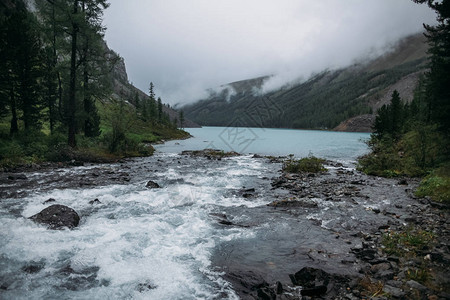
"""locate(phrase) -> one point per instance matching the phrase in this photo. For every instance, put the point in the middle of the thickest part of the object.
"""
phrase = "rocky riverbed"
(338, 234)
(345, 251)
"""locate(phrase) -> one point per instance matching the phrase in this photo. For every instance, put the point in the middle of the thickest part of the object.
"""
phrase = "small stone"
(394, 291)
(152, 185)
(415, 285)
(314, 291)
(95, 201)
(266, 294)
(279, 288)
(17, 177)
(49, 201)
(402, 182)
(145, 286)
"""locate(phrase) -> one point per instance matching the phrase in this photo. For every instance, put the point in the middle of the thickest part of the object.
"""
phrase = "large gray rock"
(57, 217)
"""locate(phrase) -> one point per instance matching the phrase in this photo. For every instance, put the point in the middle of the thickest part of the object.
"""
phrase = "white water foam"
(137, 244)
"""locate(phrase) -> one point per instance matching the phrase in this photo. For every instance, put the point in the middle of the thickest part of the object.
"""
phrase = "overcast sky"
(187, 46)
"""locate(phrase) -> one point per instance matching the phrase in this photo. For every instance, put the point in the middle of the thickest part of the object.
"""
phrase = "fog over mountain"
(186, 47)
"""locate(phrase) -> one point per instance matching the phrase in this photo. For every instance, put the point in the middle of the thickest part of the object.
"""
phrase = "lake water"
(340, 146)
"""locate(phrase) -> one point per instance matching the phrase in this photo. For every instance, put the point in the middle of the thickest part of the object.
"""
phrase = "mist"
(187, 47)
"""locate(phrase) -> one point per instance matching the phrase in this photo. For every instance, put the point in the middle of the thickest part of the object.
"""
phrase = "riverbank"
(344, 227)
(369, 237)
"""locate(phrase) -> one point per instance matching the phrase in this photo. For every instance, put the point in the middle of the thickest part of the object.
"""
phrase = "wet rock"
(226, 222)
(50, 200)
(394, 292)
(366, 254)
(152, 185)
(415, 285)
(57, 217)
(278, 183)
(266, 294)
(402, 182)
(210, 153)
(145, 286)
(293, 203)
(79, 279)
(33, 267)
(95, 201)
(222, 219)
(17, 177)
(246, 281)
(314, 291)
(310, 277)
(279, 288)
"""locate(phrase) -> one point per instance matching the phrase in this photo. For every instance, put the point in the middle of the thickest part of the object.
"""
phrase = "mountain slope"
(322, 102)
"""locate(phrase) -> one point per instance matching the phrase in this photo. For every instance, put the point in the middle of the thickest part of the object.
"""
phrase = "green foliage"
(310, 164)
(436, 185)
(409, 242)
(421, 275)
(391, 118)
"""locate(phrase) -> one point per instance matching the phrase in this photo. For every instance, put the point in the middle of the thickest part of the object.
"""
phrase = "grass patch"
(310, 164)
(421, 275)
(436, 185)
(410, 242)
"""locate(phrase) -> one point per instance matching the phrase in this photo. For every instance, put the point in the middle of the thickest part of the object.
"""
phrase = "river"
(140, 243)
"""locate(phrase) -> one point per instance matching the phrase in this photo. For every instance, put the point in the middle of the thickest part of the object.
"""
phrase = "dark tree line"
(431, 104)
(414, 138)
(54, 65)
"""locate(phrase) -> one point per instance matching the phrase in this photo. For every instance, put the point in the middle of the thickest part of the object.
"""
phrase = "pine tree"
(21, 53)
(390, 118)
(160, 110)
(438, 78)
(181, 118)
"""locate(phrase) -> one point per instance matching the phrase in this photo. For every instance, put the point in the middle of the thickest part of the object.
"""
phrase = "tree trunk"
(73, 79)
(14, 128)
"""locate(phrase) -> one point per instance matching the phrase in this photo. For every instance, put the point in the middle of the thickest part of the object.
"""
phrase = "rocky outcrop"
(125, 90)
(210, 153)
(362, 123)
(57, 217)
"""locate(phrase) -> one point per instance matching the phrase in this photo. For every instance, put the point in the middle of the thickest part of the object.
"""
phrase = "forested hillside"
(322, 102)
(412, 138)
(64, 94)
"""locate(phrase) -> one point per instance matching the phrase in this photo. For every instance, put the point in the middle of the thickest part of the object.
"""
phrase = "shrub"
(437, 186)
(310, 164)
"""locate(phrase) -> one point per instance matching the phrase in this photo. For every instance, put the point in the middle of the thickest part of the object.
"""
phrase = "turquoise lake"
(340, 146)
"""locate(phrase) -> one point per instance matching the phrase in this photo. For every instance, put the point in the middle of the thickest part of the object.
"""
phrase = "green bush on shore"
(310, 164)
(436, 185)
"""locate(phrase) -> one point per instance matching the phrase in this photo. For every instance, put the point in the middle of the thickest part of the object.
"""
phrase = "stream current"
(136, 242)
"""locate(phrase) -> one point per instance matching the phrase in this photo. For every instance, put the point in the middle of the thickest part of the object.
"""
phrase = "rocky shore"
(338, 234)
(398, 245)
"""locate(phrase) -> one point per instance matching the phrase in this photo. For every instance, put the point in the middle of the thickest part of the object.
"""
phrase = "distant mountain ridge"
(344, 99)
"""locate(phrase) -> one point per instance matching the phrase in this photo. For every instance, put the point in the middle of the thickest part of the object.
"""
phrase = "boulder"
(310, 277)
(57, 217)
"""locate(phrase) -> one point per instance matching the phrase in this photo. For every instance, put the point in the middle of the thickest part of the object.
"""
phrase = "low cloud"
(186, 47)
